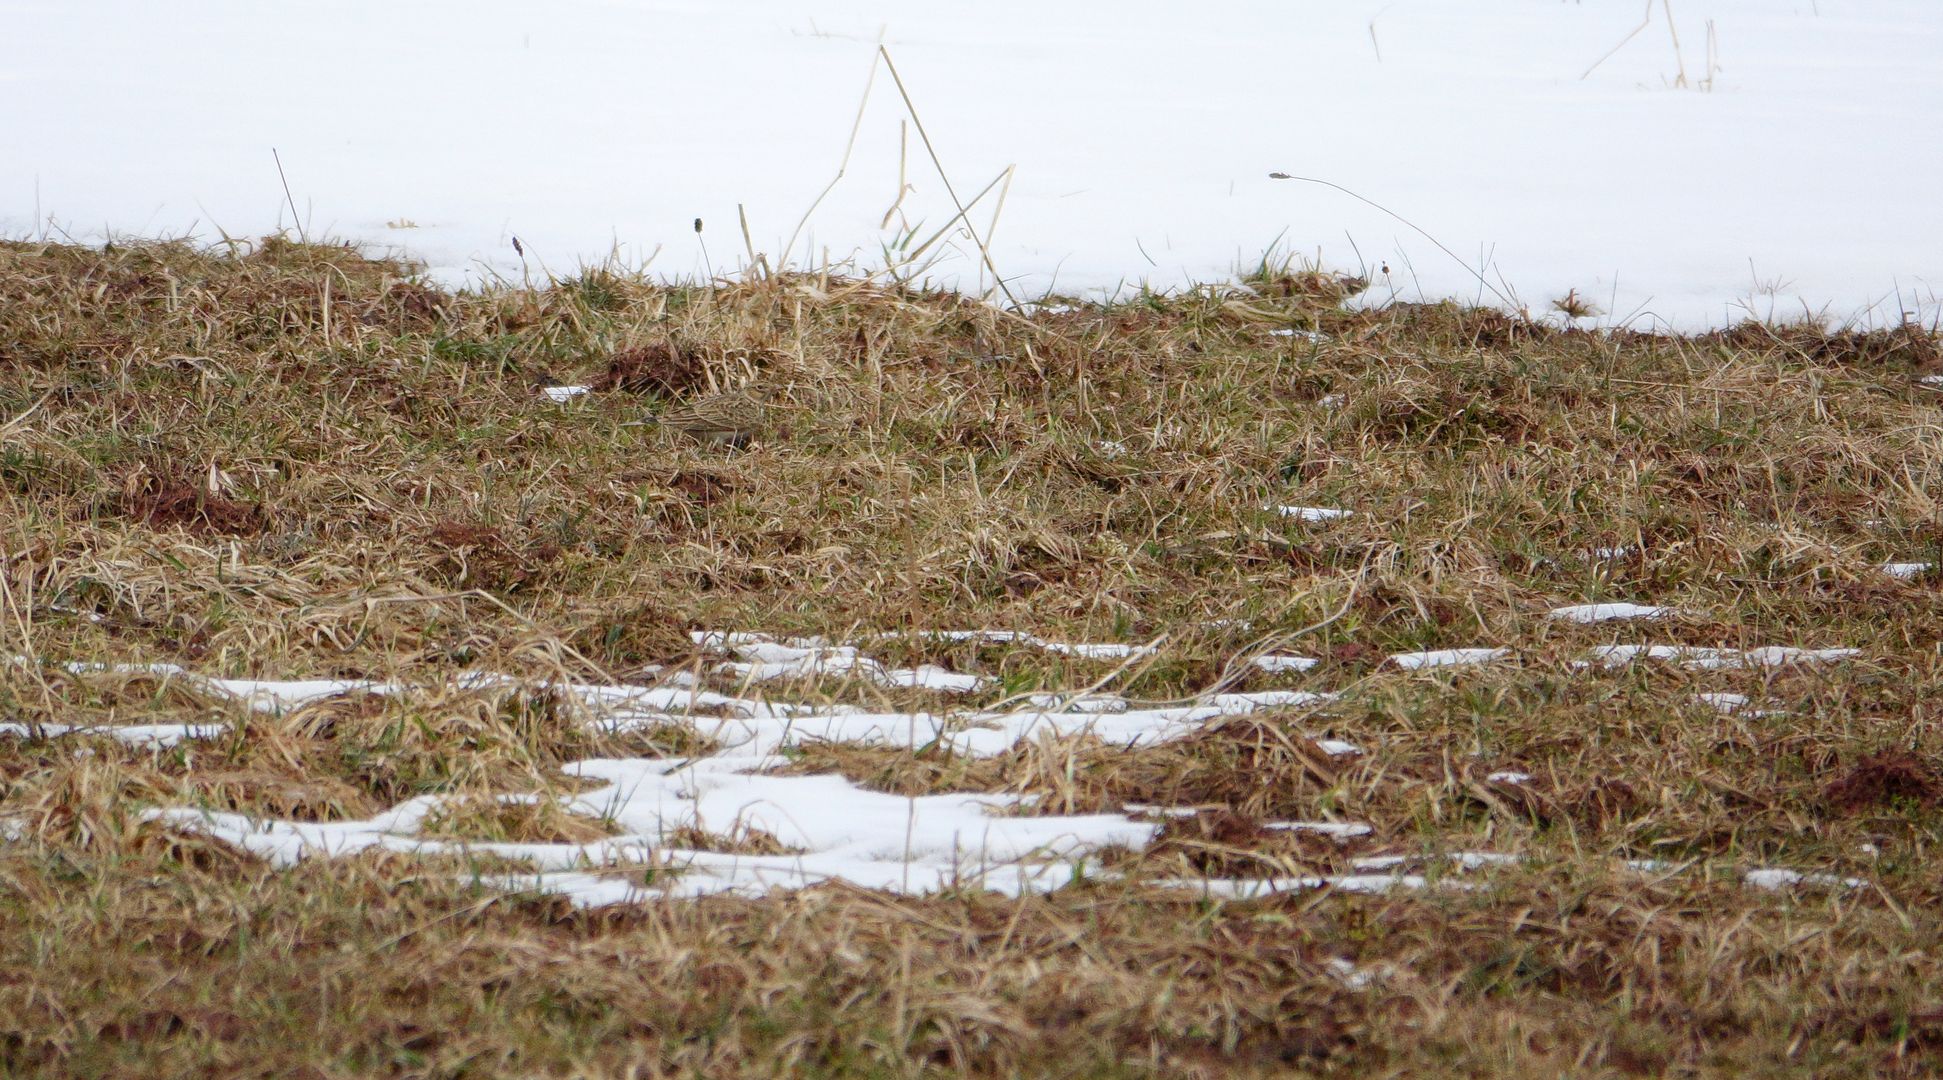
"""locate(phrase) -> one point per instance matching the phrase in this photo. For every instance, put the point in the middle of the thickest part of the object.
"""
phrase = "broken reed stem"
(1508, 301)
(925, 137)
(295, 219)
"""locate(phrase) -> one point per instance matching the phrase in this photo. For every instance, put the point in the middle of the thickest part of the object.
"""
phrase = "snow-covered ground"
(1793, 170)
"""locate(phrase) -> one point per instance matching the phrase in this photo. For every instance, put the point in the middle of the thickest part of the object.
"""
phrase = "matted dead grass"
(292, 462)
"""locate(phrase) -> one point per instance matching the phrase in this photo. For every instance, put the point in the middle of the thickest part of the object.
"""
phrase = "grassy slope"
(299, 464)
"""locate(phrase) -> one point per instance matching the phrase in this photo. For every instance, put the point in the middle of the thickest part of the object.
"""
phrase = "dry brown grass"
(298, 463)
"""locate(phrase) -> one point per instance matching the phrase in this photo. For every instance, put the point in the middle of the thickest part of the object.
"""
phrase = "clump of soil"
(660, 368)
(1883, 780)
(164, 502)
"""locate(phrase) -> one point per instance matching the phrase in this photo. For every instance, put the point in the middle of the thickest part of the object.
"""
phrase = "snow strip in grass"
(155, 735)
(1161, 811)
(1110, 650)
(1275, 663)
(1258, 888)
(768, 661)
(840, 830)
(1724, 702)
(1436, 658)
(1771, 878)
(1594, 613)
(565, 393)
(1088, 703)
(1348, 974)
(1903, 571)
(1312, 513)
(1340, 830)
(837, 829)
(1705, 659)
(984, 734)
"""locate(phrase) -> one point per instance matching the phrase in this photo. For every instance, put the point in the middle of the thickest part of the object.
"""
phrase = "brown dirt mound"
(660, 368)
(1881, 780)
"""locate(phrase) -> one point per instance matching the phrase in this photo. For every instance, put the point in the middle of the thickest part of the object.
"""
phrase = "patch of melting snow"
(1594, 613)
(1724, 702)
(565, 393)
(1161, 811)
(837, 829)
(1347, 973)
(1110, 650)
(1295, 332)
(768, 661)
(1771, 878)
(1509, 776)
(1275, 663)
(1462, 860)
(1623, 551)
(1903, 571)
(1312, 513)
(1705, 659)
(159, 736)
(1931, 380)
(1341, 830)
(1085, 703)
(1436, 658)
(1258, 888)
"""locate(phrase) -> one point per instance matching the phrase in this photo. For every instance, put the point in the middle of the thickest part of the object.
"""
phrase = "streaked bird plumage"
(731, 416)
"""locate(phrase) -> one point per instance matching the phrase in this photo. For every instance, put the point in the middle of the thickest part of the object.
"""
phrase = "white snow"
(767, 661)
(1347, 973)
(1107, 650)
(1705, 659)
(1593, 613)
(1340, 830)
(1903, 571)
(1312, 513)
(1257, 888)
(1084, 703)
(1161, 811)
(565, 393)
(1436, 658)
(1275, 663)
(835, 829)
(1724, 702)
(1767, 878)
(831, 828)
(1652, 181)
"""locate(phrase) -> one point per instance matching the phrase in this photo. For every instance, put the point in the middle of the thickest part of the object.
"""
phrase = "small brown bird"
(730, 416)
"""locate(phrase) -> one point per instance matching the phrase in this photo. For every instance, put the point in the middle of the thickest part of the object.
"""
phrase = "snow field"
(1494, 125)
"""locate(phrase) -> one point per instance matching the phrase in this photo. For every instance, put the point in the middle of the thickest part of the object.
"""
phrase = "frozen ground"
(1790, 172)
